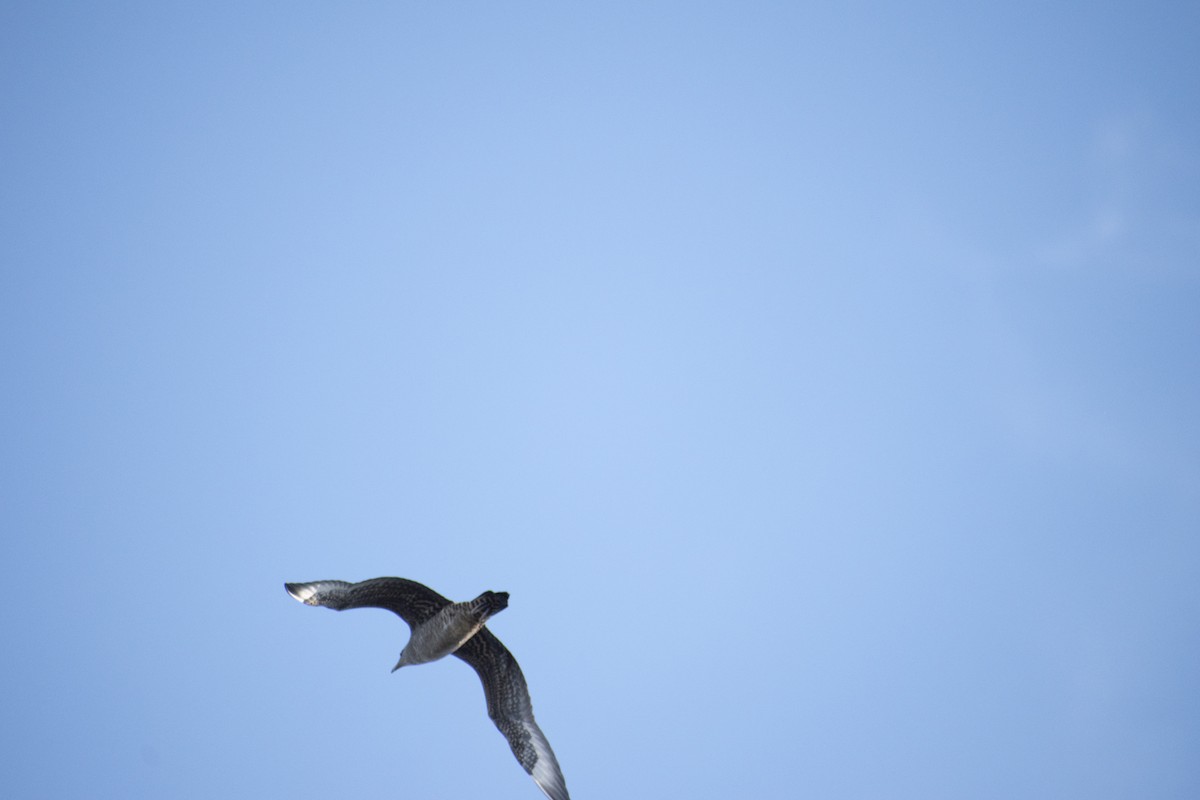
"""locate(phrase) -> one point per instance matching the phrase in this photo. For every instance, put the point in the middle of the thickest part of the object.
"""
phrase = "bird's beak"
(396, 667)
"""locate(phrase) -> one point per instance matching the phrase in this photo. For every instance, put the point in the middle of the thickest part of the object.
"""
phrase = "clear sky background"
(821, 379)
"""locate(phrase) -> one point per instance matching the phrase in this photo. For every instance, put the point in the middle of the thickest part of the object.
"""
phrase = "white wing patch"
(546, 772)
(302, 591)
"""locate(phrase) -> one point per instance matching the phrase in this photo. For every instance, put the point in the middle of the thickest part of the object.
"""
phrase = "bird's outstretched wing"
(509, 707)
(413, 601)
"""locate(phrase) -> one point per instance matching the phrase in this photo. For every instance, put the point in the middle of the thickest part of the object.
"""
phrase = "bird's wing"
(509, 707)
(414, 602)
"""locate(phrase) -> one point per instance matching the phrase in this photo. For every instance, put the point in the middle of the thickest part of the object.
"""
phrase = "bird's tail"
(489, 603)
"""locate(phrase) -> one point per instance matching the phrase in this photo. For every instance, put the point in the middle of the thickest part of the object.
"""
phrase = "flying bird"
(439, 628)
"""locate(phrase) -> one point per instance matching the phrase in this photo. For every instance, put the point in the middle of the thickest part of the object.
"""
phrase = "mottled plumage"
(439, 628)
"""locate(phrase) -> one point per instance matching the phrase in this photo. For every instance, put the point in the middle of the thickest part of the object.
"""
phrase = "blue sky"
(820, 379)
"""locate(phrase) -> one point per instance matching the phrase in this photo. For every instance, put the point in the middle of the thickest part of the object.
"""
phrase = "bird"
(439, 628)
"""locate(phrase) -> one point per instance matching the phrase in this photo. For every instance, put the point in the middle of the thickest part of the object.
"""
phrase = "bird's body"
(445, 631)
(440, 628)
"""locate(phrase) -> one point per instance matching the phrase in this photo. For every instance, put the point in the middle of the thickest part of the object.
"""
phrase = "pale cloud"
(1137, 207)
(1044, 406)
(1081, 245)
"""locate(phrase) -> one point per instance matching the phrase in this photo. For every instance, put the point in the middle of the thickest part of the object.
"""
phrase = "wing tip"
(304, 592)
(545, 772)
(555, 790)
